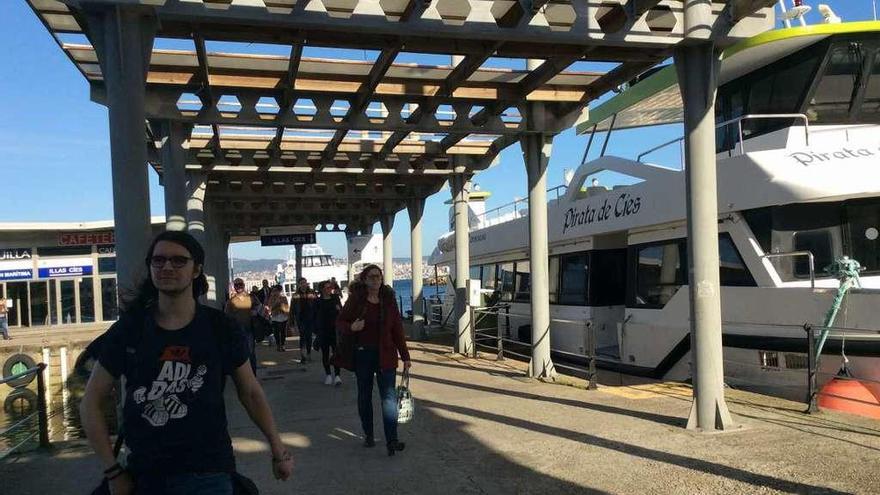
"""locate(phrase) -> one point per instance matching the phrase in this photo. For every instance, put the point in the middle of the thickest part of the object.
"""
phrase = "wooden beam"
(296, 50)
(204, 76)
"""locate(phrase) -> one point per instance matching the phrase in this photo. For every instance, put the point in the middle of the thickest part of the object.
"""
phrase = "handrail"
(808, 254)
(738, 121)
(41, 413)
(483, 217)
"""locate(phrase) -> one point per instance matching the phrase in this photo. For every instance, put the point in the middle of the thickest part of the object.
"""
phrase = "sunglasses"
(176, 261)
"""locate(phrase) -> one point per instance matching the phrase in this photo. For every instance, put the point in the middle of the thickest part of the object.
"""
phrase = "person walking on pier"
(279, 309)
(4, 319)
(304, 312)
(328, 307)
(239, 308)
(372, 337)
(174, 354)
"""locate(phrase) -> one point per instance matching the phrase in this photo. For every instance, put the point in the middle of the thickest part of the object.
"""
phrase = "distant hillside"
(242, 265)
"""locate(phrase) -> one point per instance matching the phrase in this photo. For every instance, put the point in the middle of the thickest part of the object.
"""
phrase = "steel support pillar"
(460, 184)
(298, 260)
(387, 221)
(123, 41)
(174, 147)
(416, 209)
(196, 186)
(697, 67)
(536, 153)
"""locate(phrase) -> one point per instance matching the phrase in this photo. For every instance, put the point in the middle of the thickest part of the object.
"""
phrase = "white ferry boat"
(316, 266)
(798, 163)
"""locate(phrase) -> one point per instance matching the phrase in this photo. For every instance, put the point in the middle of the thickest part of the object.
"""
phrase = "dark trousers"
(328, 345)
(279, 330)
(305, 339)
(185, 484)
(366, 365)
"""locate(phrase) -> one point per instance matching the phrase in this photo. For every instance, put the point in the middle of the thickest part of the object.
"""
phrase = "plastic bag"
(405, 404)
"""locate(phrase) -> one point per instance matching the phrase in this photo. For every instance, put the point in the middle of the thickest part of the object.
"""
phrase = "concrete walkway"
(481, 427)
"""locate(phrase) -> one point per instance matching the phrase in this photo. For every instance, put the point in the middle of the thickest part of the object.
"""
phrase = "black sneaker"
(394, 446)
(369, 442)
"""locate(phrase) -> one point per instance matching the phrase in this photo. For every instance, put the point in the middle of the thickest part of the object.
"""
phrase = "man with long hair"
(372, 332)
(174, 354)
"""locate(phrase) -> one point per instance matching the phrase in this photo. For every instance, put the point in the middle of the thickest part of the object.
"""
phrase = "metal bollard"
(812, 371)
(591, 345)
(500, 341)
(473, 331)
(42, 407)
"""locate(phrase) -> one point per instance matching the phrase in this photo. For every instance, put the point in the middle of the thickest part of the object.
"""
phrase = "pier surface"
(482, 427)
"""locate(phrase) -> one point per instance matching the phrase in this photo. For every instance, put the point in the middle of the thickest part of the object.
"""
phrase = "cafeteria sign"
(86, 238)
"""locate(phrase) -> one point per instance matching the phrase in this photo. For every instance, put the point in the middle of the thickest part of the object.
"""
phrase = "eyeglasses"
(176, 261)
(375, 276)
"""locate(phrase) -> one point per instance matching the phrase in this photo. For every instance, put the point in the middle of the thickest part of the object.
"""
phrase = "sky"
(56, 152)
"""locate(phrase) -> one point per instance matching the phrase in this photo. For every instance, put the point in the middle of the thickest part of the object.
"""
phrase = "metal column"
(174, 144)
(298, 260)
(416, 209)
(123, 40)
(536, 153)
(460, 183)
(697, 66)
(387, 221)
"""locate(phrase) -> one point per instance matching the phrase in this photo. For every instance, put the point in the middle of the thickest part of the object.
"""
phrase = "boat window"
(869, 110)
(505, 280)
(523, 282)
(488, 277)
(607, 284)
(659, 273)
(734, 272)
(573, 287)
(832, 99)
(819, 243)
(864, 233)
(553, 286)
(475, 273)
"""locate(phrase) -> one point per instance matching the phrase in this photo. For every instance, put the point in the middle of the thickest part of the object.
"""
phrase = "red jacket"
(391, 338)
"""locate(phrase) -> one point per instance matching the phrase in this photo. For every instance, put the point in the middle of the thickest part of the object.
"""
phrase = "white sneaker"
(337, 381)
(328, 380)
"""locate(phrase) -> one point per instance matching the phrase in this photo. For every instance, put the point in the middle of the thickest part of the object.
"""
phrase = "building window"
(659, 273)
(39, 304)
(488, 277)
(475, 273)
(523, 282)
(107, 265)
(573, 285)
(86, 301)
(110, 307)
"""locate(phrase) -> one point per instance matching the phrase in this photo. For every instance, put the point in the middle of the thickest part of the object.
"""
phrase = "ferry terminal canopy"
(290, 139)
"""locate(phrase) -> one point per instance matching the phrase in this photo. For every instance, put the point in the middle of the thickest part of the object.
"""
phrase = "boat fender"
(16, 364)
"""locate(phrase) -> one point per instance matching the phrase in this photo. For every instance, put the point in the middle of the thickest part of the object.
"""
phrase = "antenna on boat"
(798, 11)
(828, 14)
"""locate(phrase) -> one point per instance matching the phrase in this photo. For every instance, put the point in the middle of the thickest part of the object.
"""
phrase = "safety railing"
(499, 337)
(41, 414)
(740, 137)
(811, 260)
(516, 208)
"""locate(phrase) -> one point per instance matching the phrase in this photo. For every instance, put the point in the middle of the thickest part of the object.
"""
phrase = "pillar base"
(722, 419)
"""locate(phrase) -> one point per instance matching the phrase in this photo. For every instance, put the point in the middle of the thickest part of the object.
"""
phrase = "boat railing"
(739, 128)
(496, 330)
(811, 260)
(516, 208)
(41, 414)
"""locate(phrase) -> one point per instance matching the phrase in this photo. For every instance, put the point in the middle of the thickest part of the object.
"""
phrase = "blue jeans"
(4, 327)
(185, 484)
(366, 365)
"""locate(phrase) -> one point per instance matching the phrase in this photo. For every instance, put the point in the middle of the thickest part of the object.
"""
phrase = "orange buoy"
(850, 396)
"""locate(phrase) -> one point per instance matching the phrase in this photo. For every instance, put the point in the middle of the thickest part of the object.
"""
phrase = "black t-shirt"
(174, 417)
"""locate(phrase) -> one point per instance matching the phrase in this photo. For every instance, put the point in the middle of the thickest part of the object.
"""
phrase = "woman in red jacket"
(371, 337)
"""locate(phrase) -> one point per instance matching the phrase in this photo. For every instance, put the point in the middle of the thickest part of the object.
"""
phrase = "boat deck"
(481, 427)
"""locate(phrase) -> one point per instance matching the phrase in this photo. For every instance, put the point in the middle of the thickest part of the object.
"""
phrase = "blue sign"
(65, 271)
(25, 273)
(287, 239)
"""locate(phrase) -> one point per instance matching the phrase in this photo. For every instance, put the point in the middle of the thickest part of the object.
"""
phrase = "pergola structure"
(243, 140)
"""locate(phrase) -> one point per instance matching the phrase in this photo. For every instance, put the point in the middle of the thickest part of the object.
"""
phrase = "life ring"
(16, 364)
(20, 402)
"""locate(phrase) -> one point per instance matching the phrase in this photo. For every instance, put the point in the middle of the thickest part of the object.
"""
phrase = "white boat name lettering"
(806, 158)
(625, 205)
